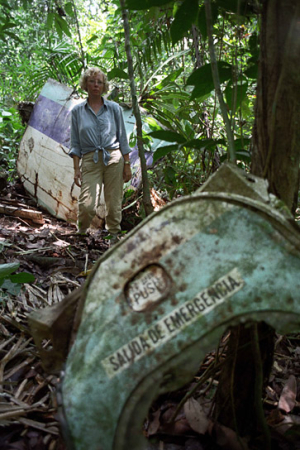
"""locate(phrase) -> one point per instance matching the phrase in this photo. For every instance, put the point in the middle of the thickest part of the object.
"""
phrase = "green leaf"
(7, 269)
(185, 16)
(240, 144)
(49, 22)
(58, 28)
(62, 24)
(22, 277)
(170, 175)
(203, 81)
(117, 73)
(8, 25)
(252, 72)
(93, 38)
(169, 136)
(235, 95)
(10, 287)
(163, 151)
(170, 78)
(145, 4)
(69, 9)
(152, 123)
(202, 19)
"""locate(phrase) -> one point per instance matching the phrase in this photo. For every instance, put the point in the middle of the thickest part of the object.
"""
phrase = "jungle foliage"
(172, 68)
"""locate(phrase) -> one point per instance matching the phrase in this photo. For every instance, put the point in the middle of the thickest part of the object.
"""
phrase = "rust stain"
(36, 183)
(177, 239)
(31, 144)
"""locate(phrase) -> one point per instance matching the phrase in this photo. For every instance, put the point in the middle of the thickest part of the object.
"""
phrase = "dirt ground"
(59, 261)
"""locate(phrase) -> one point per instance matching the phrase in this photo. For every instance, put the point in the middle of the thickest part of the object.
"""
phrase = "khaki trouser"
(93, 175)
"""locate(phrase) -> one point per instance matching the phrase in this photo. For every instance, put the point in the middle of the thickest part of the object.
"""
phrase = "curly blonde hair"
(91, 72)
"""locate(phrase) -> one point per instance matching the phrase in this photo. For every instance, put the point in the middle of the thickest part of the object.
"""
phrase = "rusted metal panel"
(43, 164)
(162, 297)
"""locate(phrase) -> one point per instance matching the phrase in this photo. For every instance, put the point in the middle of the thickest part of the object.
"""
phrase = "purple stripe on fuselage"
(52, 119)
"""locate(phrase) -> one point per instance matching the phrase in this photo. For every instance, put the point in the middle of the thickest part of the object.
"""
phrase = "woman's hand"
(126, 173)
(77, 177)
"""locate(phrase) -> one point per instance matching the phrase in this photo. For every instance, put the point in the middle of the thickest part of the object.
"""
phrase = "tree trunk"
(276, 134)
(136, 110)
(276, 154)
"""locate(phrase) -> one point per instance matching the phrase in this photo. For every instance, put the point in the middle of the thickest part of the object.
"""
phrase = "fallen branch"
(35, 216)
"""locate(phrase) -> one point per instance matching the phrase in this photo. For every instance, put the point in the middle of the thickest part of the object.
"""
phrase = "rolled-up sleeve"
(121, 132)
(75, 143)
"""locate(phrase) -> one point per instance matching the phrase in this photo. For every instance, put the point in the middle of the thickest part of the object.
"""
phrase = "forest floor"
(59, 260)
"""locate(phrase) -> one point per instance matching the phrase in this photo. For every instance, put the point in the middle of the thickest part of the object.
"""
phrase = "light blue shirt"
(103, 131)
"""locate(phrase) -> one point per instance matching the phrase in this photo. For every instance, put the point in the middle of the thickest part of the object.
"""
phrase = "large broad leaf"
(185, 16)
(61, 24)
(203, 81)
(252, 72)
(241, 144)
(7, 269)
(23, 277)
(145, 4)
(69, 9)
(169, 136)
(163, 151)
(49, 21)
(117, 73)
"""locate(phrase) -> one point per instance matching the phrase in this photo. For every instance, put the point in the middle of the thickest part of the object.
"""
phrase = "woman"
(98, 137)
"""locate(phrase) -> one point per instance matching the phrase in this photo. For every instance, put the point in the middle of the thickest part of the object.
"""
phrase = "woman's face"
(95, 85)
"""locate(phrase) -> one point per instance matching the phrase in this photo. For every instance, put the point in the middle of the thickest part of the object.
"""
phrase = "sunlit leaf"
(69, 9)
(49, 22)
(62, 24)
(117, 73)
(152, 123)
(93, 38)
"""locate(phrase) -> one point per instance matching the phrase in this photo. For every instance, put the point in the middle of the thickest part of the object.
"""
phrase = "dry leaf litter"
(180, 420)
